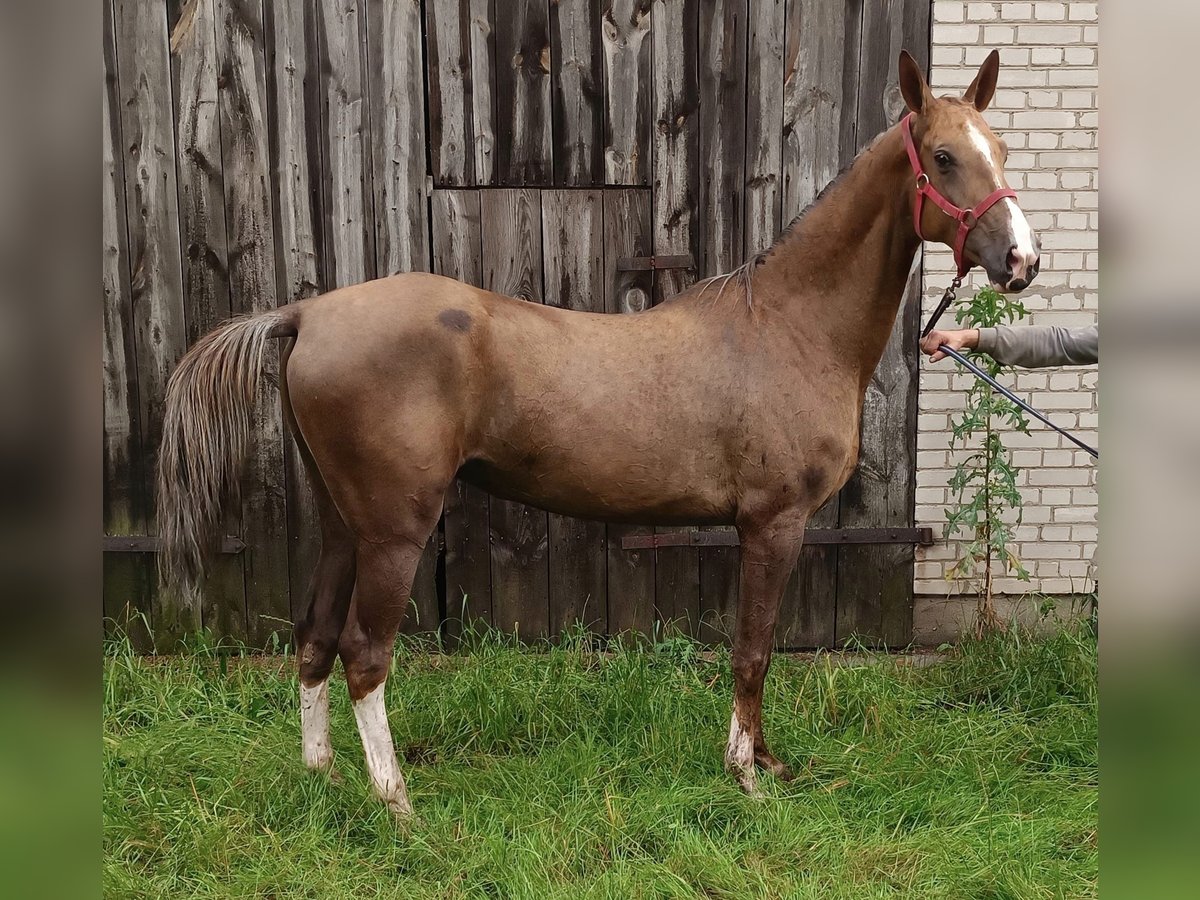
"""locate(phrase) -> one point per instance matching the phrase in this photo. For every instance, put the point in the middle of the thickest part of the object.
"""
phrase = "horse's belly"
(634, 490)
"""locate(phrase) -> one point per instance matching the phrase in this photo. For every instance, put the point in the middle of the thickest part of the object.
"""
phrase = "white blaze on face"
(1019, 231)
(376, 735)
(314, 725)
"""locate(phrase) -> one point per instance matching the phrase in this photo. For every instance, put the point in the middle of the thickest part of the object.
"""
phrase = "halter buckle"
(968, 218)
(922, 181)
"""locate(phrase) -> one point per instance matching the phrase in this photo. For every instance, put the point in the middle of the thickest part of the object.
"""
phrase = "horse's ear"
(913, 87)
(983, 87)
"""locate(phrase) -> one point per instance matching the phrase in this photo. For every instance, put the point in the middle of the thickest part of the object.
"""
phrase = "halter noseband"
(966, 218)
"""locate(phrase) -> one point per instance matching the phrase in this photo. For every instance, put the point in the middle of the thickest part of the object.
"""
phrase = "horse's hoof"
(769, 763)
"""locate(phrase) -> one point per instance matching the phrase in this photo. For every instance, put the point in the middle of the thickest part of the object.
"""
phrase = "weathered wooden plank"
(349, 232)
(875, 581)
(156, 282)
(461, 67)
(523, 116)
(573, 254)
(241, 49)
(126, 598)
(397, 139)
(676, 137)
(512, 265)
(295, 145)
(627, 87)
(677, 226)
(457, 239)
(577, 91)
(628, 232)
(821, 51)
(813, 99)
(194, 70)
(764, 124)
(723, 47)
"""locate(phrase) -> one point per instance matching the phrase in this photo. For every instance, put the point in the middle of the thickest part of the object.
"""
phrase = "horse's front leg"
(769, 550)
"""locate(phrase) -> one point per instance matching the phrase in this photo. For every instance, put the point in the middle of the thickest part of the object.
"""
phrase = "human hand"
(967, 339)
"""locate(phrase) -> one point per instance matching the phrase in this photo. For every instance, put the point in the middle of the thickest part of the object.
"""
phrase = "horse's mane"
(742, 275)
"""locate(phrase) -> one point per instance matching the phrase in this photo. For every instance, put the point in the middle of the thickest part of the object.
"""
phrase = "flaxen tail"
(206, 427)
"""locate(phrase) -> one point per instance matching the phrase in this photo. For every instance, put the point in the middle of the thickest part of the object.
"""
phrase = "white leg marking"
(314, 725)
(381, 756)
(739, 755)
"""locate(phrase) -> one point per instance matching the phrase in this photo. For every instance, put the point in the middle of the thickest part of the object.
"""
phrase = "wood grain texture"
(295, 146)
(349, 232)
(764, 123)
(631, 573)
(200, 173)
(461, 68)
(875, 581)
(152, 221)
(127, 607)
(396, 71)
(523, 115)
(813, 99)
(723, 48)
(625, 34)
(512, 265)
(457, 240)
(676, 138)
(241, 49)
(577, 91)
(573, 254)
(677, 226)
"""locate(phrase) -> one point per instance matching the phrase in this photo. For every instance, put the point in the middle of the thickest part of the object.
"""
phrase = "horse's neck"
(838, 275)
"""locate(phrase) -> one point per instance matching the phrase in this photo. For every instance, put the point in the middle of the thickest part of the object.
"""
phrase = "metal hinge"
(648, 263)
(922, 536)
(148, 543)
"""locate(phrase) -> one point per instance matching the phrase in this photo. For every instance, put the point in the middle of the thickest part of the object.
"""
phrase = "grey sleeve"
(1037, 346)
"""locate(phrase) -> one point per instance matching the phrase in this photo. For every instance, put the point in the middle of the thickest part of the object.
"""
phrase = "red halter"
(966, 218)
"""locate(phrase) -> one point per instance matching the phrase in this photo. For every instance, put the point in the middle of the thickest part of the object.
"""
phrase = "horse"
(737, 402)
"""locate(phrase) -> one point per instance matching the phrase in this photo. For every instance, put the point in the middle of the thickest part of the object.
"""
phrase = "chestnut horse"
(743, 409)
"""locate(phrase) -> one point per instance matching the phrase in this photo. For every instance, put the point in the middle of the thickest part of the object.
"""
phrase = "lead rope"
(949, 297)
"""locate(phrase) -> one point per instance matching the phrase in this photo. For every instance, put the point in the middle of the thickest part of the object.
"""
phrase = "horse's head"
(962, 161)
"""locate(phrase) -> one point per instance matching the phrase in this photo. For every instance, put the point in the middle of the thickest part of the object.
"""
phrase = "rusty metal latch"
(649, 263)
(922, 536)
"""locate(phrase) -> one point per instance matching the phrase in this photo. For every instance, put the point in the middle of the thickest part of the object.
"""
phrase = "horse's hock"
(617, 171)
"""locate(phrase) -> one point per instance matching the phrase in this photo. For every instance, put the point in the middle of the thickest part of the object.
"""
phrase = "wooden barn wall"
(257, 152)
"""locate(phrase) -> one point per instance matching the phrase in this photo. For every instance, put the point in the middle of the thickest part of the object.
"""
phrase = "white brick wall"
(1046, 109)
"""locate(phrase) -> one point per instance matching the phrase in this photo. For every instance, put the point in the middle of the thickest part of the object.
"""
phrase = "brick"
(1082, 12)
(958, 34)
(1078, 99)
(1047, 56)
(944, 11)
(1072, 221)
(948, 56)
(1059, 477)
(1009, 100)
(1085, 533)
(1077, 77)
(998, 34)
(1069, 240)
(1048, 550)
(1067, 159)
(1078, 140)
(1056, 35)
(1016, 10)
(1079, 56)
(981, 12)
(1075, 180)
(1045, 118)
(1049, 12)
(1043, 140)
(1075, 514)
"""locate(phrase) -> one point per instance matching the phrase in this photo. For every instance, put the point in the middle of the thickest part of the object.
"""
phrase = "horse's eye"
(943, 159)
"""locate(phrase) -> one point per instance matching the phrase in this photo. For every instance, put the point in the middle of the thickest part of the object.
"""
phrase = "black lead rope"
(943, 305)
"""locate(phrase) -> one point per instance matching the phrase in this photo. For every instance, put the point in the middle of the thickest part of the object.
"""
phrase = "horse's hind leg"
(381, 596)
(318, 634)
(326, 605)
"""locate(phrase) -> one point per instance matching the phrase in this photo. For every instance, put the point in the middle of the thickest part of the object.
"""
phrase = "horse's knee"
(750, 665)
(316, 648)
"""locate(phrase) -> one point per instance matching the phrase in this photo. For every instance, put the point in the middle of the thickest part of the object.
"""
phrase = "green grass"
(575, 774)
